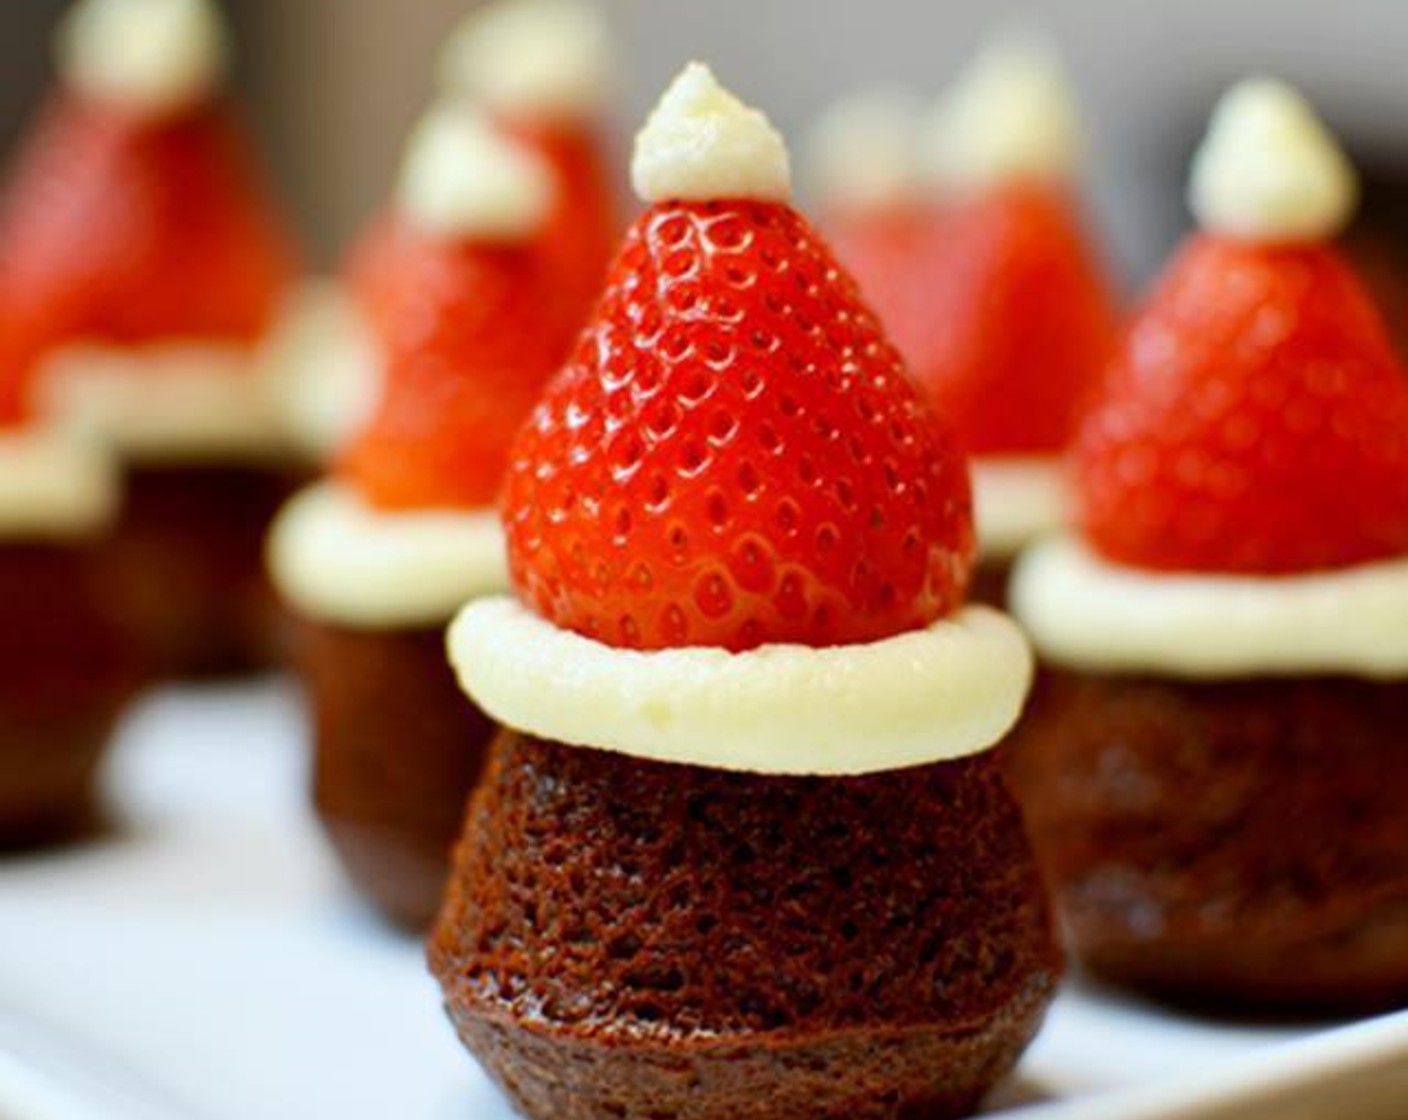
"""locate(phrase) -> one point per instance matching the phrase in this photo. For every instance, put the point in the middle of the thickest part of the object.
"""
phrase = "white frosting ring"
(335, 558)
(188, 401)
(1016, 501)
(1085, 613)
(55, 485)
(953, 689)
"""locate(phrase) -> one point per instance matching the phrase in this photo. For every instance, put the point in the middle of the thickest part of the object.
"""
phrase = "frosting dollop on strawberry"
(149, 57)
(700, 142)
(462, 178)
(734, 454)
(534, 59)
(863, 155)
(1268, 170)
(1255, 419)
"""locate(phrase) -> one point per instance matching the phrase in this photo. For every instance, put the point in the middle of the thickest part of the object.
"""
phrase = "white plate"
(206, 963)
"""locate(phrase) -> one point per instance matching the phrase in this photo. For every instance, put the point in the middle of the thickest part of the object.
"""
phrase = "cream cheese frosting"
(1016, 501)
(1086, 613)
(1010, 114)
(951, 690)
(183, 402)
(1268, 169)
(462, 178)
(324, 368)
(702, 143)
(153, 57)
(334, 557)
(55, 484)
(547, 60)
(862, 150)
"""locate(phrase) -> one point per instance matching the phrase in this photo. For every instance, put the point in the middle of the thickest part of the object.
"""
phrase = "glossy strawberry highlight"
(735, 455)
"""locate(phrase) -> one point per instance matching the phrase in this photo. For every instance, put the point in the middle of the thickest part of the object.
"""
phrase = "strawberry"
(1254, 421)
(583, 229)
(470, 332)
(1018, 311)
(734, 454)
(130, 230)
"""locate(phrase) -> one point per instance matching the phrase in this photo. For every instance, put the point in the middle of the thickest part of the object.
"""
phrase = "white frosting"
(701, 143)
(536, 59)
(1010, 114)
(324, 368)
(55, 484)
(1017, 500)
(177, 401)
(863, 151)
(154, 57)
(1084, 612)
(461, 177)
(1269, 170)
(952, 690)
(334, 557)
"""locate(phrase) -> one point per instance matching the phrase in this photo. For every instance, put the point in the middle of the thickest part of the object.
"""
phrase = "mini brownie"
(1212, 760)
(963, 227)
(1282, 884)
(375, 560)
(725, 943)
(161, 265)
(69, 667)
(392, 814)
(744, 845)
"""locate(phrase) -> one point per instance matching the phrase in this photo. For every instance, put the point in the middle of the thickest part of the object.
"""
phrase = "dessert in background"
(67, 664)
(742, 847)
(1213, 761)
(137, 225)
(543, 69)
(983, 272)
(375, 561)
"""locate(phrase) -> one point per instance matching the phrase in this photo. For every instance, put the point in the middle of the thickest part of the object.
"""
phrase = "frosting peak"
(460, 177)
(542, 59)
(863, 149)
(155, 57)
(1269, 170)
(702, 143)
(1010, 114)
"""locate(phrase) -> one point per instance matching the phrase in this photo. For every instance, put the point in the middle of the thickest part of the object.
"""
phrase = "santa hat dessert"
(967, 235)
(542, 70)
(743, 845)
(67, 664)
(137, 225)
(375, 560)
(1214, 763)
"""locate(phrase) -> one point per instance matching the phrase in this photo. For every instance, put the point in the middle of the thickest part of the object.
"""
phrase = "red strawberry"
(1254, 421)
(129, 230)
(584, 227)
(1018, 320)
(470, 333)
(734, 455)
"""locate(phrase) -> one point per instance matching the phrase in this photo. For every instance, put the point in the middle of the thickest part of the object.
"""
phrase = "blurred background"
(332, 85)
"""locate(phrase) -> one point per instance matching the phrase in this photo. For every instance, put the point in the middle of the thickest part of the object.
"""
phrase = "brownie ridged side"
(68, 666)
(398, 748)
(631, 939)
(1240, 843)
(190, 550)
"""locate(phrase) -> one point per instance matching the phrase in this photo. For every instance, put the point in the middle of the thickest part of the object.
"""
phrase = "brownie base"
(68, 666)
(398, 748)
(190, 550)
(1237, 844)
(990, 580)
(632, 939)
